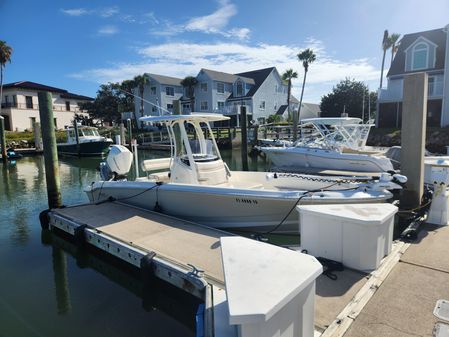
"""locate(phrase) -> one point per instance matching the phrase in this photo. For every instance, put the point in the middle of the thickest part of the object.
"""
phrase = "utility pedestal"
(413, 137)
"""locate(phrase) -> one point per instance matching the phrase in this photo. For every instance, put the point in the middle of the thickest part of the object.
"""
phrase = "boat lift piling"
(50, 150)
(244, 138)
(3, 139)
(37, 136)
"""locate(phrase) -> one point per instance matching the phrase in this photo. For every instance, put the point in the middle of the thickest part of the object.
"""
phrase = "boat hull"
(228, 208)
(297, 158)
(86, 149)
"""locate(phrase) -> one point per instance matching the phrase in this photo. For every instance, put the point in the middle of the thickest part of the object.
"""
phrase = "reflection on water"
(61, 280)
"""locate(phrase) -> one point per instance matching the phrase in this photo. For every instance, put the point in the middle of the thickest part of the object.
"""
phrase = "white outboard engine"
(117, 165)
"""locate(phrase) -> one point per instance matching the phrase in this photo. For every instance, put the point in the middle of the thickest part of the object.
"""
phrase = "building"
(20, 106)
(262, 92)
(426, 51)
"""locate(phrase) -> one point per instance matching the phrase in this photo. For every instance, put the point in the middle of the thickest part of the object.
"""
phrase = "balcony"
(232, 110)
(394, 92)
(26, 106)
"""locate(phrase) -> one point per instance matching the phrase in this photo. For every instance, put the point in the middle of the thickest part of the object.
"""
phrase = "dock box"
(357, 235)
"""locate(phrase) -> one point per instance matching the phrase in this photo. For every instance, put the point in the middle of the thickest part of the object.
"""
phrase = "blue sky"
(77, 45)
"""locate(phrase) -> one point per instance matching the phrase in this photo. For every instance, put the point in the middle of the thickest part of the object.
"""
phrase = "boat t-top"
(337, 144)
(195, 184)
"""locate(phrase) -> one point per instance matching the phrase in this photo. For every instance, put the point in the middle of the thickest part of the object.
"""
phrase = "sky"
(78, 45)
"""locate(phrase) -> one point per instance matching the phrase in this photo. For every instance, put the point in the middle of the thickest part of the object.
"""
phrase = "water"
(49, 287)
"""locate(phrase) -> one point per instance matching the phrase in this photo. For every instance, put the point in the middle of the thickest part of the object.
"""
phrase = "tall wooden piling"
(122, 134)
(130, 134)
(3, 139)
(50, 150)
(177, 107)
(77, 136)
(413, 137)
(244, 130)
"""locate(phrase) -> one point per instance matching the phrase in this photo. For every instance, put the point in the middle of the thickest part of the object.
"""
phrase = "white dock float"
(250, 288)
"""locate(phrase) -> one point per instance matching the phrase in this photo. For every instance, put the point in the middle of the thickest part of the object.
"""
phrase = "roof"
(206, 117)
(42, 87)
(258, 76)
(225, 77)
(293, 99)
(166, 79)
(310, 110)
(437, 36)
(281, 109)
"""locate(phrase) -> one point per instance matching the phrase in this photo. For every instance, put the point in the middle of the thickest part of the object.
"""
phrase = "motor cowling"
(118, 163)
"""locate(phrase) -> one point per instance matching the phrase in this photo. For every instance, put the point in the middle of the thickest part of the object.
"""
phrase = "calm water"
(49, 287)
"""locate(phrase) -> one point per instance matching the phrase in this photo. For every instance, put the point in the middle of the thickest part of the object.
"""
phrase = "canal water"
(49, 287)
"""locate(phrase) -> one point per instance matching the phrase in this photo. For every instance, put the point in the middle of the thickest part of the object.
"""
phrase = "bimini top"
(333, 120)
(199, 117)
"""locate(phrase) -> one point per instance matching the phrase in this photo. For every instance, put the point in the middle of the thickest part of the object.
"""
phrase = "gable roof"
(310, 110)
(225, 77)
(166, 79)
(258, 76)
(42, 87)
(436, 36)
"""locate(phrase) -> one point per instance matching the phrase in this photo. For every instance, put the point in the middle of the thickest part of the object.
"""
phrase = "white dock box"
(270, 290)
(357, 235)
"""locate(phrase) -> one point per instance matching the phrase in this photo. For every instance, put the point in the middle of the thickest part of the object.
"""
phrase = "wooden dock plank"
(175, 239)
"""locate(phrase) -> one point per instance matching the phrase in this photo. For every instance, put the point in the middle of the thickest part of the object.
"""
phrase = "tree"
(393, 39)
(287, 77)
(385, 46)
(348, 96)
(5, 56)
(189, 83)
(106, 105)
(274, 119)
(127, 98)
(140, 81)
(306, 57)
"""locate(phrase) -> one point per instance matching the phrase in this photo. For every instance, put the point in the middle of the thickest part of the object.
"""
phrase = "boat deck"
(178, 241)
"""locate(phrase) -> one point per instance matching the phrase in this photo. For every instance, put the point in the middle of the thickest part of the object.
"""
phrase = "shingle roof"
(42, 87)
(225, 77)
(310, 110)
(281, 109)
(166, 79)
(258, 76)
(437, 36)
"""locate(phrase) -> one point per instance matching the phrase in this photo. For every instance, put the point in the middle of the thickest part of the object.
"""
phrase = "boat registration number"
(246, 201)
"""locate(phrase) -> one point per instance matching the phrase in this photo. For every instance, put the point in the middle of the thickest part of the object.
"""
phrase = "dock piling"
(122, 134)
(3, 139)
(244, 138)
(37, 136)
(413, 137)
(50, 150)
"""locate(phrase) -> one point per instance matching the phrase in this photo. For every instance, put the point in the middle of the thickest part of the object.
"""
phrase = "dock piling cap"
(261, 278)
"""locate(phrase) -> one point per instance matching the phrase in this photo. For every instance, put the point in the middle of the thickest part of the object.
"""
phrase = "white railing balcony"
(390, 95)
(435, 89)
(394, 92)
(232, 110)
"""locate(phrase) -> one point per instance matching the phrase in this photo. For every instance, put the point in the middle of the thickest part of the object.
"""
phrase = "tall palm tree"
(306, 57)
(393, 44)
(140, 81)
(189, 83)
(5, 56)
(386, 44)
(287, 77)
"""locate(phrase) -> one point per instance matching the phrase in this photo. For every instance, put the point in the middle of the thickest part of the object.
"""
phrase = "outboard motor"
(117, 165)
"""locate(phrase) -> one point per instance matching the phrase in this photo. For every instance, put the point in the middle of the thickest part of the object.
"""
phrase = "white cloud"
(108, 11)
(108, 30)
(75, 11)
(215, 23)
(181, 59)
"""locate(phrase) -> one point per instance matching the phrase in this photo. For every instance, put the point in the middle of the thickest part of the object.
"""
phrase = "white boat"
(195, 184)
(331, 144)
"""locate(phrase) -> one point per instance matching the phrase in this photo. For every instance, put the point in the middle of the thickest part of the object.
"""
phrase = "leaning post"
(130, 134)
(413, 137)
(3, 139)
(244, 134)
(77, 137)
(50, 150)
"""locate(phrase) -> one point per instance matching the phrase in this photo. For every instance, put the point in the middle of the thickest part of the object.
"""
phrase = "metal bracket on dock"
(147, 266)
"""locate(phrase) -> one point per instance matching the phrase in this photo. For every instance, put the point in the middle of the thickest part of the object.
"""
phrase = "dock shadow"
(348, 281)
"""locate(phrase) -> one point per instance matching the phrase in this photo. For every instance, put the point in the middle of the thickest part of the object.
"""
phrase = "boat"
(195, 184)
(11, 154)
(337, 144)
(88, 142)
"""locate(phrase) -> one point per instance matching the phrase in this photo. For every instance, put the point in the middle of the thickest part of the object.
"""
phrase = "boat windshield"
(88, 132)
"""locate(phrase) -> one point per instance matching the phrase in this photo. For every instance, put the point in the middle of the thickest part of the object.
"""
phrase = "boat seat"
(151, 165)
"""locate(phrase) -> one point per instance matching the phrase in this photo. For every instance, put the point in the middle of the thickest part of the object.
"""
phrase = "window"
(262, 105)
(170, 91)
(220, 88)
(29, 102)
(239, 89)
(67, 106)
(32, 121)
(153, 91)
(6, 100)
(204, 87)
(420, 55)
(203, 105)
(56, 124)
(169, 107)
(14, 100)
(154, 109)
(220, 106)
(276, 88)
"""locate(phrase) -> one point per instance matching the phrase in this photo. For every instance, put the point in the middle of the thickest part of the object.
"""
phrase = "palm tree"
(189, 83)
(287, 77)
(386, 43)
(393, 44)
(5, 56)
(140, 81)
(306, 57)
